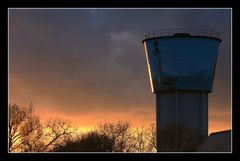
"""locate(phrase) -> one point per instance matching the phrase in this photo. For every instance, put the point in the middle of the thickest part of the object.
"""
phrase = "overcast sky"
(89, 65)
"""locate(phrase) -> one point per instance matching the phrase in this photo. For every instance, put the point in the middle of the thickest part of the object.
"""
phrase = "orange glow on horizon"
(85, 123)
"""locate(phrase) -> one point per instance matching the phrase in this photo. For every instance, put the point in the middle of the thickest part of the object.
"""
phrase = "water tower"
(181, 65)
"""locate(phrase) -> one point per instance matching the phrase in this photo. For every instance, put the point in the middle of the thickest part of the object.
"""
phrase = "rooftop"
(217, 142)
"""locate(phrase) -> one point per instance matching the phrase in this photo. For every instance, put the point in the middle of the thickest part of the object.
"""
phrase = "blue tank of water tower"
(181, 60)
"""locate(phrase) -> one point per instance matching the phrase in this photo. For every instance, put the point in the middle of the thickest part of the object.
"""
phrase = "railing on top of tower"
(191, 32)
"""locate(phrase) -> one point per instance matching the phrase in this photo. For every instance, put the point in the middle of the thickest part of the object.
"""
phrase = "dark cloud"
(83, 60)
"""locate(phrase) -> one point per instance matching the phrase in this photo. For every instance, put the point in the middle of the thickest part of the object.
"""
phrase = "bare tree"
(120, 135)
(57, 132)
(152, 139)
(89, 142)
(24, 129)
(140, 139)
(145, 139)
(27, 134)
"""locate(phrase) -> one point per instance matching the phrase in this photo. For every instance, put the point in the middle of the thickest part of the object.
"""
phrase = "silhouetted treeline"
(113, 137)
(89, 142)
(28, 134)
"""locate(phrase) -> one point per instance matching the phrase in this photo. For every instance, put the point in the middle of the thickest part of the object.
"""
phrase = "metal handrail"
(192, 32)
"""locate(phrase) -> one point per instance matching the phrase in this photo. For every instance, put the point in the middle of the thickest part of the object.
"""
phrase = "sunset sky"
(89, 65)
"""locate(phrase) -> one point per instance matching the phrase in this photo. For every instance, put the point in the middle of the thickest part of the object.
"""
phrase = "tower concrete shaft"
(180, 107)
